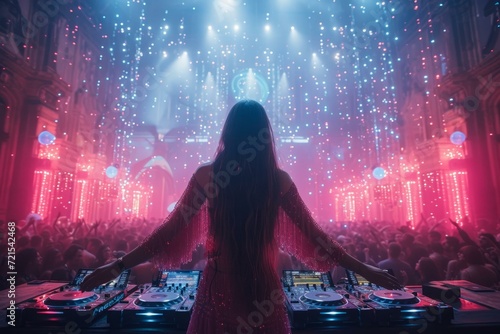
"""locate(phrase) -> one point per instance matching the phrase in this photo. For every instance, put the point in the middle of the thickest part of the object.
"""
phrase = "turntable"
(313, 301)
(167, 301)
(398, 306)
(67, 303)
(323, 298)
(393, 297)
(159, 299)
(70, 298)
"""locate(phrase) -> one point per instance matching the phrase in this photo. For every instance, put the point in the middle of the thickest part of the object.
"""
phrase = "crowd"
(418, 254)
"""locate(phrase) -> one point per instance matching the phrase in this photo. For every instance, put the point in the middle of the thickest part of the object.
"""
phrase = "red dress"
(216, 309)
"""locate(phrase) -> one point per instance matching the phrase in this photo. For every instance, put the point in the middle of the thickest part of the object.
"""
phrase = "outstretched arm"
(171, 239)
(465, 236)
(301, 236)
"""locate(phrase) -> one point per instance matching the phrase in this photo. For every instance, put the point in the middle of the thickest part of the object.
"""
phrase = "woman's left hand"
(100, 276)
(380, 277)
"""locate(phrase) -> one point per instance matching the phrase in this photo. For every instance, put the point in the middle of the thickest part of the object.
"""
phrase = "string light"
(334, 108)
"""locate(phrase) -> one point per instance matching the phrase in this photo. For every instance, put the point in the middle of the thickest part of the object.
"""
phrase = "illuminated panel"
(412, 200)
(456, 188)
(43, 185)
(80, 199)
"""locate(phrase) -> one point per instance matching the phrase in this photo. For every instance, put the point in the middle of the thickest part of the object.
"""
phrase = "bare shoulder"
(202, 173)
(285, 181)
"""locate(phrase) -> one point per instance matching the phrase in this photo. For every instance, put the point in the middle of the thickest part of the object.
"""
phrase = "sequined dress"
(216, 310)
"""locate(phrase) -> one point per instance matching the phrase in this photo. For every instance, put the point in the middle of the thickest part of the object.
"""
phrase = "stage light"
(46, 138)
(171, 206)
(378, 173)
(111, 172)
(248, 84)
(457, 137)
(267, 27)
(210, 28)
(236, 27)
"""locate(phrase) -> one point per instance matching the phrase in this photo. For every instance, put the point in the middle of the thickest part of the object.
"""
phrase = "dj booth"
(313, 302)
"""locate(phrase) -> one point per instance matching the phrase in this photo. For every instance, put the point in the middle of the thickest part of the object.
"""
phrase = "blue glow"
(248, 84)
(46, 138)
(333, 313)
(379, 173)
(171, 206)
(111, 172)
(149, 314)
(457, 137)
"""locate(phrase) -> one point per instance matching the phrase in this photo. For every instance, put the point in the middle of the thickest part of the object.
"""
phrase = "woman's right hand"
(100, 276)
(380, 277)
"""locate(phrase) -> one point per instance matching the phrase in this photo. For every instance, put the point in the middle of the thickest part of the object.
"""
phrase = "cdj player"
(168, 301)
(398, 306)
(313, 301)
(67, 303)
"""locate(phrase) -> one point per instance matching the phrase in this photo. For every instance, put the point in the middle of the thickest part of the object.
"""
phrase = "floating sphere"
(111, 172)
(46, 138)
(457, 137)
(171, 206)
(378, 173)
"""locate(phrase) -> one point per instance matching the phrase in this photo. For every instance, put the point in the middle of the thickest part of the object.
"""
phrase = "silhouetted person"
(436, 254)
(476, 271)
(412, 249)
(52, 259)
(28, 265)
(401, 269)
(242, 207)
(428, 271)
(73, 260)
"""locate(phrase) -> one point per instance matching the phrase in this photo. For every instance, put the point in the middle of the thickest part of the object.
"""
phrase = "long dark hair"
(246, 204)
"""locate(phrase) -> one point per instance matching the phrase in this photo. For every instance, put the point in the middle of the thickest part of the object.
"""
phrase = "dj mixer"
(167, 301)
(313, 300)
(67, 304)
